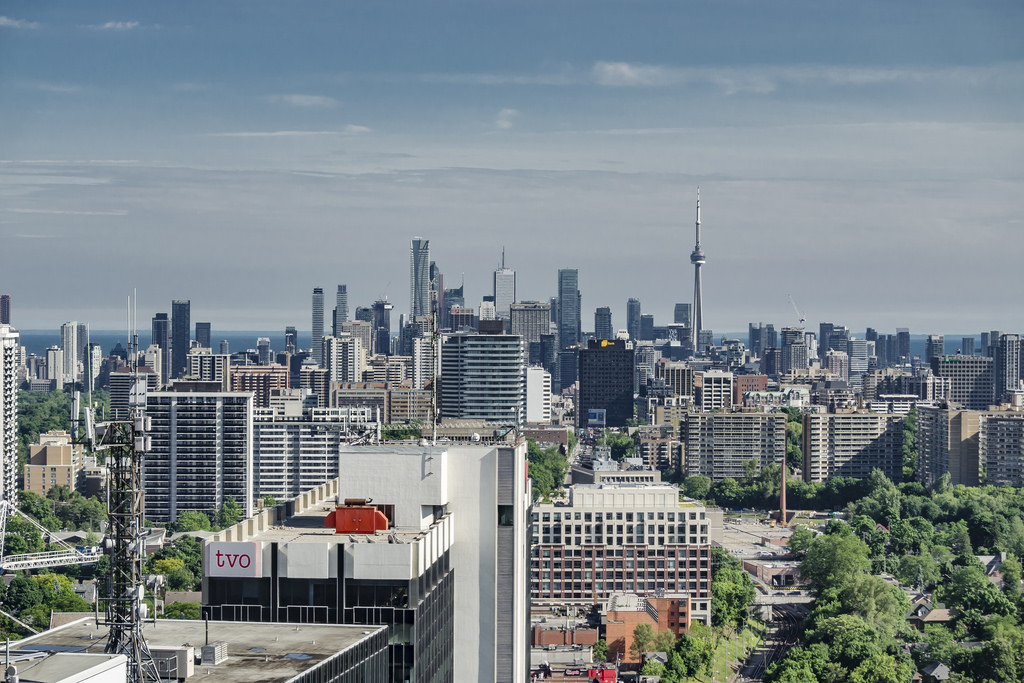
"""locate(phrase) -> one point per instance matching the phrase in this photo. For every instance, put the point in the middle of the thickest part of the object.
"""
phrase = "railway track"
(786, 631)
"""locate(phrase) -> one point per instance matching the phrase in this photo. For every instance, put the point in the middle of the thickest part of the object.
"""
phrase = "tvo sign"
(232, 559)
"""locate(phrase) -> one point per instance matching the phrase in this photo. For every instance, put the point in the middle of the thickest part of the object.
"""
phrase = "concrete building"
(121, 387)
(934, 347)
(419, 277)
(260, 381)
(207, 366)
(538, 395)
(201, 453)
(677, 375)
(483, 377)
(444, 565)
(971, 380)
(344, 358)
(947, 443)
(1007, 366)
(852, 445)
(606, 382)
(70, 346)
(530, 320)
(611, 538)
(296, 451)
(161, 336)
(718, 445)
(54, 461)
(837, 363)
(1001, 448)
(714, 390)
(9, 356)
(794, 350)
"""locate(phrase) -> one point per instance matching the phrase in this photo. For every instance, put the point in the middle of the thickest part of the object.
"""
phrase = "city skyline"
(846, 155)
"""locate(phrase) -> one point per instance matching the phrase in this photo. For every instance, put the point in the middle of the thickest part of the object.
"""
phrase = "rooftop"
(255, 651)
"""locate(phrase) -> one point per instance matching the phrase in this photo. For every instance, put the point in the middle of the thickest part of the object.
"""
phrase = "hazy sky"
(864, 157)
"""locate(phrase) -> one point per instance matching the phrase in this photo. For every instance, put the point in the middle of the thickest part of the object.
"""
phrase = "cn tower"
(698, 260)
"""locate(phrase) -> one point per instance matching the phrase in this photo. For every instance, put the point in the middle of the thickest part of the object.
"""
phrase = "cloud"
(764, 80)
(350, 129)
(564, 77)
(304, 100)
(114, 26)
(506, 118)
(17, 23)
(189, 87)
(62, 212)
(59, 88)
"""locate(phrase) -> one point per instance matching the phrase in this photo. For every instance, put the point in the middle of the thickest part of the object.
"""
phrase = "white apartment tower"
(9, 354)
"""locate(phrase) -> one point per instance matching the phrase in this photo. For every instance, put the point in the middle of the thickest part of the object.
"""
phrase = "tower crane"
(799, 315)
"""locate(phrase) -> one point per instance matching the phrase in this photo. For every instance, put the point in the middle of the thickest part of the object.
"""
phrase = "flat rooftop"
(308, 526)
(257, 652)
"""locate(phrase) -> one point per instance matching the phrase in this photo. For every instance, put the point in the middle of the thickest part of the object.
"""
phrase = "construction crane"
(799, 315)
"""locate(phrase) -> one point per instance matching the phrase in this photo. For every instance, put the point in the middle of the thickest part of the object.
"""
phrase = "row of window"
(617, 516)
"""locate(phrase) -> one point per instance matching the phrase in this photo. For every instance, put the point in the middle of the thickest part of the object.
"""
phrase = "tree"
(643, 638)
(1011, 571)
(664, 641)
(23, 593)
(882, 668)
(834, 558)
(697, 487)
(190, 520)
(601, 651)
(652, 668)
(182, 610)
(800, 540)
(230, 513)
(696, 650)
(732, 593)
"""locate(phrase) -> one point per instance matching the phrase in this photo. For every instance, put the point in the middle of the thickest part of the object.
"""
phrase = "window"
(506, 515)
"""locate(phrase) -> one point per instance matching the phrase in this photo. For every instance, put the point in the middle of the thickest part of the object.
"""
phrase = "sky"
(864, 158)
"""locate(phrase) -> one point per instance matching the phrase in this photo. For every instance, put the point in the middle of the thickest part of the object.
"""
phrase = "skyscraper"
(633, 318)
(902, 346)
(483, 377)
(967, 346)
(681, 314)
(340, 310)
(603, 323)
(203, 334)
(1007, 370)
(181, 330)
(419, 277)
(794, 349)
(504, 290)
(382, 327)
(161, 332)
(934, 347)
(291, 339)
(569, 331)
(318, 325)
(70, 346)
(9, 349)
(698, 260)
(606, 382)
(5, 309)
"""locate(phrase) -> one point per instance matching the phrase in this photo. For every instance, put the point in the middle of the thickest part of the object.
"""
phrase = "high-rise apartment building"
(794, 349)
(343, 358)
(201, 453)
(991, 347)
(633, 313)
(718, 445)
(852, 445)
(1001, 448)
(161, 331)
(538, 395)
(419, 277)
(340, 314)
(714, 390)
(967, 346)
(69, 344)
(971, 380)
(606, 382)
(569, 326)
(1007, 366)
(504, 290)
(603, 323)
(857, 350)
(902, 346)
(204, 332)
(318, 326)
(181, 330)
(947, 443)
(5, 309)
(530, 320)
(934, 347)
(9, 354)
(837, 363)
(483, 377)
(761, 336)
